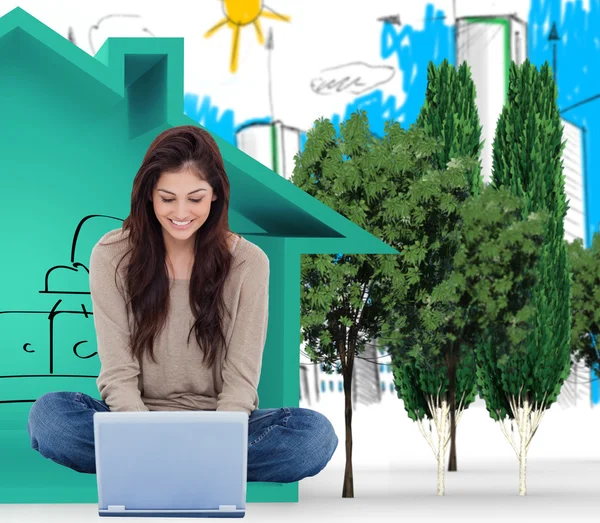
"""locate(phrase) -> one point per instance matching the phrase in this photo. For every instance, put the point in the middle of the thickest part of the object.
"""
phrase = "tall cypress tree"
(449, 114)
(527, 159)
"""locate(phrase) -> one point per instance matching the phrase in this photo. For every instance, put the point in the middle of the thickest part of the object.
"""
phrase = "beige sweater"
(179, 380)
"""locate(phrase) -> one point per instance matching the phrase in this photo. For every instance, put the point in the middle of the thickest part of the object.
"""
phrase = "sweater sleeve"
(118, 378)
(241, 369)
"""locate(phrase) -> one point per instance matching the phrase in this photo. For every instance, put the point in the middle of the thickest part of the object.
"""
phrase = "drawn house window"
(331, 385)
(323, 388)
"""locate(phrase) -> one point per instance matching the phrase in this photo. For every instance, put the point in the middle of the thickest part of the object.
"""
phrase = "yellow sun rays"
(240, 13)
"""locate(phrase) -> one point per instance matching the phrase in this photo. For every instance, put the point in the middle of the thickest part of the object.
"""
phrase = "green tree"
(450, 113)
(497, 268)
(345, 301)
(585, 303)
(527, 159)
(431, 236)
(489, 287)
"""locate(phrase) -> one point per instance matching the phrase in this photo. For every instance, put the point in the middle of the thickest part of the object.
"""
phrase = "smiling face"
(185, 198)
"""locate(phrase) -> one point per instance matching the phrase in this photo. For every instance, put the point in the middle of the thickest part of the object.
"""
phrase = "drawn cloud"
(354, 77)
(123, 25)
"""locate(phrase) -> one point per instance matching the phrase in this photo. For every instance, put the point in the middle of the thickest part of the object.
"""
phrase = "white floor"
(395, 475)
(558, 491)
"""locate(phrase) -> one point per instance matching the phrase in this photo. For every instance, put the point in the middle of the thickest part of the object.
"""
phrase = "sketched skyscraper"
(272, 144)
(372, 379)
(581, 383)
(574, 181)
(488, 44)
(366, 381)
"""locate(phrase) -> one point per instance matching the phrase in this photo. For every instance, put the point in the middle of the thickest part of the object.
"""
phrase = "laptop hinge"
(115, 508)
(227, 507)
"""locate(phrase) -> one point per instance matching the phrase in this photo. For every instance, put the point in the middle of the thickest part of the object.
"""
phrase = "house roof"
(260, 197)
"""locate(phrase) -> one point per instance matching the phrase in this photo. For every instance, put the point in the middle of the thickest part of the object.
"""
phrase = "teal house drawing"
(73, 131)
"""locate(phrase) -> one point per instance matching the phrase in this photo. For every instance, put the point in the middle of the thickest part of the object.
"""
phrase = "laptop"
(171, 463)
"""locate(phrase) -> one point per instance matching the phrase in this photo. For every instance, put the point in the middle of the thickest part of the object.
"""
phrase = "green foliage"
(585, 301)
(366, 179)
(527, 159)
(495, 275)
(466, 375)
(410, 390)
(421, 354)
(432, 353)
(528, 145)
(450, 113)
(413, 382)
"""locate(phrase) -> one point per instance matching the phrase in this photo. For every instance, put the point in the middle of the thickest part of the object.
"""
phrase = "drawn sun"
(239, 13)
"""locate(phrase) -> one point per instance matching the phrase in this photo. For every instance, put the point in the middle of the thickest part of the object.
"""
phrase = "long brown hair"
(147, 277)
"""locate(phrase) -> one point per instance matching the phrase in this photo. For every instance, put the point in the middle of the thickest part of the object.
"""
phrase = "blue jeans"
(284, 445)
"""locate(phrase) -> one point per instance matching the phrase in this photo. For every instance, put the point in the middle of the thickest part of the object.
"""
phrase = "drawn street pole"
(269, 46)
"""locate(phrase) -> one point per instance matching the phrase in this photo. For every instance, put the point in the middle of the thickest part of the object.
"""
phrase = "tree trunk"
(452, 399)
(441, 448)
(452, 460)
(522, 470)
(524, 433)
(348, 489)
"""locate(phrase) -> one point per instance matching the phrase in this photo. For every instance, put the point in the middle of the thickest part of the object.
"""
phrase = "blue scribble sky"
(434, 42)
(578, 77)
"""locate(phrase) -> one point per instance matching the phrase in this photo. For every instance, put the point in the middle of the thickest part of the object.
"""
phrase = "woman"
(175, 270)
